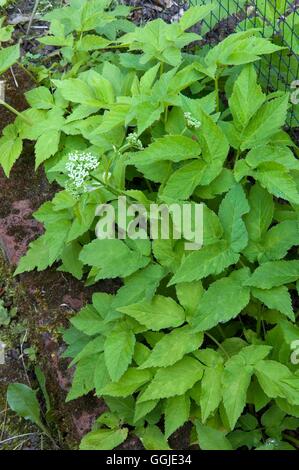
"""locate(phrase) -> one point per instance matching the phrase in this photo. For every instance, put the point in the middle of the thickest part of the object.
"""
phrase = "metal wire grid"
(275, 18)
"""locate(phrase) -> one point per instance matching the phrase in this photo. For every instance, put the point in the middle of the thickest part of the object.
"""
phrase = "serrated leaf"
(211, 439)
(153, 439)
(215, 148)
(223, 300)
(131, 381)
(277, 181)
(277, 381)
(103, 439)
(261, 212)
(176, 413)
(113, 258)
(279, 240)
(8, 56)
(183, 181)
(277, 298)
(211, 259)
(161, 312)
(165, 383)
(265, 123)
(173, 148)
(246, 98)
(118, 352)
(235, 381)
(211, 390)
(273, 274)
(10, 148)
(172, 347)
(232, 208)
(40, 98)
(83, 380)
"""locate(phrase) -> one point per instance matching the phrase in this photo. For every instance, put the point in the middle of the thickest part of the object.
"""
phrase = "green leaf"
(10, 148)
(265, 123)
(118, 351)
(78, 91)
(274, 274)
(173, 148)
(103, 439)
(46, 146)
(275, 178)
(88, 320)
(223, 300)
(83, 380)
(211, 391)
(177, 411)
(172, 347)
(189, 294)
(131, 381)
(215, 148)
(231, 209)
(161, 312)
(93, 346)
(22, 399)
(113, 258)
(153, 439)
(279, 240)
(165, 383)
(211, 259)
(40, 98)
(236, 380)
(8, 56)
(70, 260)
(211, 439)
(45, 250)
(277, 381)
(246, 98)
(261, 212)
(194, 14)
(183, 181)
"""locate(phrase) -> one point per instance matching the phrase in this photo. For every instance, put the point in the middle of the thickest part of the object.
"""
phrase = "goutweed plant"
(205, 336)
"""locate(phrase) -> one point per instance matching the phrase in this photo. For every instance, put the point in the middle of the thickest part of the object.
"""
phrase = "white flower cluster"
(133, 141)
(191, 121)
(78, 168)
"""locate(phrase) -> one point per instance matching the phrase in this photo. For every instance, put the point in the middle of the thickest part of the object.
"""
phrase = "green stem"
(165, 115)
(291, 439)
(217, 92)
(13, 110)
(218, 344)
(161, 68)
(259, 323)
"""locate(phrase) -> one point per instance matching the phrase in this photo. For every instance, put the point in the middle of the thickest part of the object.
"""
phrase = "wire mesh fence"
(278, 19)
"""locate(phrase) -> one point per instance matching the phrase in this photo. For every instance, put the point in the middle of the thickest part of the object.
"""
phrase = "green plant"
(22, 400)
(204, 335)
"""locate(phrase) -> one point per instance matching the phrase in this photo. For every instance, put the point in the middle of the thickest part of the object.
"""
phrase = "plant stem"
(13, 110)
(259, 323)
(291, 439)
(218, 344)
(217, 92)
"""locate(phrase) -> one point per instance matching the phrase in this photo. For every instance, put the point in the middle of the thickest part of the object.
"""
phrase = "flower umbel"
(133, 141)
(78, 167)
(191, 121)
